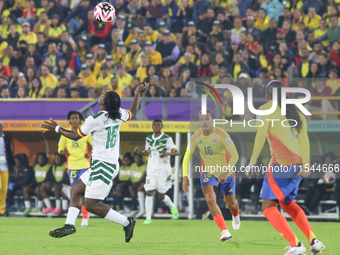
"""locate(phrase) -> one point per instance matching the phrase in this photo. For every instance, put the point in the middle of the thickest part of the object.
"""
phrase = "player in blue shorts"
(289, 162)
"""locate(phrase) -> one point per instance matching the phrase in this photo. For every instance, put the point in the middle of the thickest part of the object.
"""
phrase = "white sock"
(141, 200)
(40, 204)
(168, 202)
(67, 191)
(116, 217)
(72, 215)
(148, 206)
(65, 204)
(57, 203)
(27, 204)
(47, 202)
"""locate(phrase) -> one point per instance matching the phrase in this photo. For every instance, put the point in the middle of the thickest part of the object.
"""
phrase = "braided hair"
(112, 105)
(291, 110)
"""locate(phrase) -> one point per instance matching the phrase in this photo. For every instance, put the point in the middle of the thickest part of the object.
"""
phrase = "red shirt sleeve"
(105, 32)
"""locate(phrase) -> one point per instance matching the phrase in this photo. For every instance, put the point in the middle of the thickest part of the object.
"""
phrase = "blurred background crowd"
(56, 49)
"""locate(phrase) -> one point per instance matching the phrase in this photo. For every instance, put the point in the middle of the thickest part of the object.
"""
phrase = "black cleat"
(63, 231)
(129, 229)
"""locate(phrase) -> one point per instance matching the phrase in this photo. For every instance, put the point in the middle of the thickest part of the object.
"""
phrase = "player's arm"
(171, 147)
(62, 145)
(231, 148)
(304, 147)
(135, 103)
(260, 139)
(53, 126)
(185, 165)
(145, 152)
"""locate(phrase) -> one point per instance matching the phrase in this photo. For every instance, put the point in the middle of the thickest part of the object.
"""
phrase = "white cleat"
(300, 250)
(140, 214)
(84, 222)
(317, 247)
(225, 235)
(236, 222)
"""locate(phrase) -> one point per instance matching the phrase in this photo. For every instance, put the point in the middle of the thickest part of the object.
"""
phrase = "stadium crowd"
(56, 49)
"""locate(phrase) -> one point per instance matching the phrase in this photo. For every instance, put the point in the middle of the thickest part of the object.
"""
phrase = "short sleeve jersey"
(105, 135)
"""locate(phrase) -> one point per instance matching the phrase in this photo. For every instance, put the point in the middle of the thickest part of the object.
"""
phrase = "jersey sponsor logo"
(200, 141)
(229, 141)
(214, 140)
(205, 179)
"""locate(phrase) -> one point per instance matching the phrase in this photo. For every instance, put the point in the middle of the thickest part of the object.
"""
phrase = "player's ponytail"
(112, 105)
(291, 110)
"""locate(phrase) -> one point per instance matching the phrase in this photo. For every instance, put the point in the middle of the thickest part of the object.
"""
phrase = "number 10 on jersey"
(111, 136)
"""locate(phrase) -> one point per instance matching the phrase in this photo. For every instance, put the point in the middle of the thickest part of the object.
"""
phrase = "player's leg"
(141, 200)
(37, 191)
(210, 198)
(57, 193)
(300, 219)
(26, 193)
(118, 197)
(166, 200)
(228, 190)
(43, 192)
(163, 185)
(66, 194)
(77, 194)
(149, 186)
(133, 193)
(97, 207)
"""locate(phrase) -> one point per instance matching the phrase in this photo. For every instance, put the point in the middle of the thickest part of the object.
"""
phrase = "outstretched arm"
(52, 126)
(135, 103)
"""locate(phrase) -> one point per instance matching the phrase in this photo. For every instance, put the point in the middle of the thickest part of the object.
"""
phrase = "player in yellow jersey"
(77, 153)
(290, 149)
(218, 156)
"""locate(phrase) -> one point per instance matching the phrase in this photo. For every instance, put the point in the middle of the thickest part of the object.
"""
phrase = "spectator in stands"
(48, 93)
(317, 50)
(89, 79)
(126, 92)
(41, 45)
(41, 167)
(188, 64)
(121, 8)
(95, 67)
(61, 92)
(36, 89)
(168, 49)
(333, 33)
(325, 65)
(155, 58)
(71, 57)
(141, 73)
(323, 105)
(262, 21)
(169, 12)
(75, 93)
(53, 53)
(238, 28)
(304, 65)
(238, 66)
(55, 29)
(92, 93)
(79, 15)
(5, 92)
(64, 70)
(184, 93)
(6, 21)
(321, 187)
(54, 9)
(82, 48)
(335, 54)
(124, 78)
(34, 54)
(104, 79)
(22, 93)
(115, 87)
(17, 59)
(27, 35)
(20, 180)
(13, 37)
(48, 79)
(333, 81)
(133, 58)
(204, 69)
(321, 31)
(312, 20)
(167, 79)
(43, 25)
(110, 64)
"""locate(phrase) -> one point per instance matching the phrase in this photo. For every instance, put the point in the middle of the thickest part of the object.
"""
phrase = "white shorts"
(161, 183)
(98, 179)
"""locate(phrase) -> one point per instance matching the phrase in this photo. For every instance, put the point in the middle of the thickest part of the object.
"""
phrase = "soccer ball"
(329, 178)
(104, 12)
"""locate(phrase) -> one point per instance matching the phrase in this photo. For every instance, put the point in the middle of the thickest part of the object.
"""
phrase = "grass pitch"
(30, 236)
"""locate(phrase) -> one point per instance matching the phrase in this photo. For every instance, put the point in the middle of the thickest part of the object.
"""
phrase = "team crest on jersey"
(160, 144)
(214, 140)
(153, 144)
(71, 181)
(205, 179)
(148, 181)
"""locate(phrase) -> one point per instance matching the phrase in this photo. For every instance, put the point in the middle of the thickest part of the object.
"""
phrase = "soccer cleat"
(140, 214)
(236, 222)
(47, 210)
(66, 230)
(175, 213)
(37, 209)
(316, 247)
(299, 250)
(85, 222)
(132, 213)
(27, 211)
(205, 216)
(225, 235)
(56, 211)
(147, 222)
(129, 229)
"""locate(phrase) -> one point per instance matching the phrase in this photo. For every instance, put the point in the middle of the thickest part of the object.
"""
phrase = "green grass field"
(30, 236)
